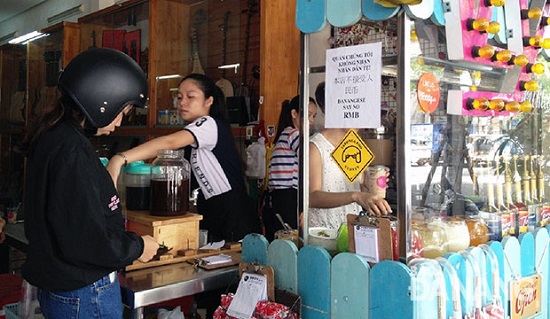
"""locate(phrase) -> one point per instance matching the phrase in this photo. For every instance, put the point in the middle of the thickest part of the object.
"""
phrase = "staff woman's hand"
(373, 204)
(114, 166)
(150, 248)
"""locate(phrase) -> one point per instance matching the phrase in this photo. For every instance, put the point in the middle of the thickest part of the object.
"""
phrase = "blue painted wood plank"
(498, 250)
(493, 295)
(476, 258)
(314, 282)
(254, 249)
(389, 291)
(427, 287)
(311, 15)
(512, 266)
(481, 262)
(527, 253)
(541, 264)
(349, 287)
(438, 16)
(343, 13)
(376, 12)
(465, 275)
(452, 284)
(282, 256)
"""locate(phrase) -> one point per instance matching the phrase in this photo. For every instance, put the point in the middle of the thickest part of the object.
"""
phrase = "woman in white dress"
(331, 195)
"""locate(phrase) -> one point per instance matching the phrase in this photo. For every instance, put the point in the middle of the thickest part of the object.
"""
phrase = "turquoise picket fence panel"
(453, 305)
(464, 272)
(343, 13)
(254, 249)
(427, 288)
(311, 15)
(314, 278)
(350, 275)
(346, 286)
(282, 256)
(512, 266)
(385, 301)
(541, 263)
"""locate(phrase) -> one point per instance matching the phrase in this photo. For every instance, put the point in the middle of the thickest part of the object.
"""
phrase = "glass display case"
(486, 134)
(13, 77)
(47, 56)
(13, 69)
(468, 120)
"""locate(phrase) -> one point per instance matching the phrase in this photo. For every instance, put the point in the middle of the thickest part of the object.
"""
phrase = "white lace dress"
(333, 180)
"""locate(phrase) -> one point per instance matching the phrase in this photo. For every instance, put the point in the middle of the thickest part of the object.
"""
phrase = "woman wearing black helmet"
(73, 218)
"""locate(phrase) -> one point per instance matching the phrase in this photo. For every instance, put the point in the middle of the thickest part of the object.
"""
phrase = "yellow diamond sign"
(352, 155)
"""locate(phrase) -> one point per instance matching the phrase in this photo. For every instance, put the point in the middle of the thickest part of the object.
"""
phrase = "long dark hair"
(285, 117)
(218, 109)
(64, 110)
(320, 96)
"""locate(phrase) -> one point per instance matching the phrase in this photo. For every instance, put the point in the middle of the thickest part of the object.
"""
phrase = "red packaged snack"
(264, 310)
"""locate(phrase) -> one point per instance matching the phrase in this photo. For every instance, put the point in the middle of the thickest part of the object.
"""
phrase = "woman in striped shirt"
(283, 167)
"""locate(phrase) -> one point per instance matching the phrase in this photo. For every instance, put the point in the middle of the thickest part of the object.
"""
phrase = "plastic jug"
(137, 178)
(169, 184)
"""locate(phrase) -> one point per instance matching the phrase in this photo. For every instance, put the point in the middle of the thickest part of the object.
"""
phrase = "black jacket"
(73, 216)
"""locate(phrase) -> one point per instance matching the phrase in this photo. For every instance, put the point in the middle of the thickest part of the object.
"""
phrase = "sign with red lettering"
(525, 297)
(428, 92)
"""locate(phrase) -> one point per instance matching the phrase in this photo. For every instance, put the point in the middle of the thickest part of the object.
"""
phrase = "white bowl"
(324, 237)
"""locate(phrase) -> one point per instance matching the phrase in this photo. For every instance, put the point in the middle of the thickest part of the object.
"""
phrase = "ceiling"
(10, 8)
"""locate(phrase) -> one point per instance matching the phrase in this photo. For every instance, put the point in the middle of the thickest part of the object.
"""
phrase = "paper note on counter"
(214, 245)
(216, 259)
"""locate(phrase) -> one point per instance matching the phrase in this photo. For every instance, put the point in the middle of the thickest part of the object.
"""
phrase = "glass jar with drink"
(169, 184)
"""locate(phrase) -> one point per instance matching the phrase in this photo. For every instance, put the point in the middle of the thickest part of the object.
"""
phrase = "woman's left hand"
(114, 166)
(373, 204)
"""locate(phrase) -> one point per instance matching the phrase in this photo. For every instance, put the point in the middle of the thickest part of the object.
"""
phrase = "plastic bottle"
(137, 180)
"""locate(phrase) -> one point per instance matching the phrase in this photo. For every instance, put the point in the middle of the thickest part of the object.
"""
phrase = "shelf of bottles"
(487, 141)
(515, 195)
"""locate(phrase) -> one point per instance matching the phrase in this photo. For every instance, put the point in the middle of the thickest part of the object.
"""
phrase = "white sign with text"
(353, 88)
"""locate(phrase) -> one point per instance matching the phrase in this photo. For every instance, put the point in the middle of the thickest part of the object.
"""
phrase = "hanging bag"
(255, 159)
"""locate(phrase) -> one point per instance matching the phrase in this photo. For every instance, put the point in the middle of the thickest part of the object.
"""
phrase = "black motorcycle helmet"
(102, 82)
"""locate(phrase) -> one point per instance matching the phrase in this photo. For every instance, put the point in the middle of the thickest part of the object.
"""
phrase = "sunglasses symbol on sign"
(351, 151)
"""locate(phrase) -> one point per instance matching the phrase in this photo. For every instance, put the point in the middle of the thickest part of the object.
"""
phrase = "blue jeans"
(102, 299)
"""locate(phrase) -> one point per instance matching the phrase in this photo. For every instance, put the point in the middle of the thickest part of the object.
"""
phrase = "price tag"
(252, 288)
(366, 242)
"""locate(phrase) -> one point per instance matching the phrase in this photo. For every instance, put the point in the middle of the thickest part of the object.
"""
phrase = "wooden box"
(175, 232)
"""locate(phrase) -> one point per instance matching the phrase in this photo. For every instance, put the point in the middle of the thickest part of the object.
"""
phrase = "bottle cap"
(138, 167)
